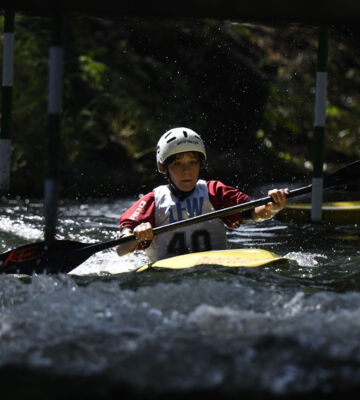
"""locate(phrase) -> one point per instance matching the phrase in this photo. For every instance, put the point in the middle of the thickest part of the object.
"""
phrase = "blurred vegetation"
(248, 89)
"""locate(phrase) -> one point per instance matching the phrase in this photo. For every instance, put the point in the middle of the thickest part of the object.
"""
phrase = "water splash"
(307, 259)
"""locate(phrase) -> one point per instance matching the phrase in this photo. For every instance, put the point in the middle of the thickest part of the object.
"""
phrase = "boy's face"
(184, 170)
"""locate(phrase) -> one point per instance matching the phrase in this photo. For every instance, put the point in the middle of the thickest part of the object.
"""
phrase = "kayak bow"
(225, 258)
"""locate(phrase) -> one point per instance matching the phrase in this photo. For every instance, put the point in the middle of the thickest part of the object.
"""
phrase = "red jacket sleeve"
(142, 211)
(222, 196)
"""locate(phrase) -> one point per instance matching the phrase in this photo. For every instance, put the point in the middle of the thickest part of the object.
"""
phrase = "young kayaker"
(180, 155)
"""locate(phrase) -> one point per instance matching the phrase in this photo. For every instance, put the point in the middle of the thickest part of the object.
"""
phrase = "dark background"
(246, 84)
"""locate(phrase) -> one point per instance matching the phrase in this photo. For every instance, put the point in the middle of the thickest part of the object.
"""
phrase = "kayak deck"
(225, 258)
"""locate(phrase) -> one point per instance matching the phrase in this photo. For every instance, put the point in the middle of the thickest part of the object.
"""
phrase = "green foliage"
(92, 71)
(248, 89)
(288, 118)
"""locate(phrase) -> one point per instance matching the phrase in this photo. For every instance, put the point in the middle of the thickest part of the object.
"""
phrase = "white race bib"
(204, 236)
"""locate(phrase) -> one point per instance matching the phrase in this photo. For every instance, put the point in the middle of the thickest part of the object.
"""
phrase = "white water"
(276, 330)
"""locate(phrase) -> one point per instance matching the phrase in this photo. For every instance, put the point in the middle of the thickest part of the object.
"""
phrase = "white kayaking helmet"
(178, 140)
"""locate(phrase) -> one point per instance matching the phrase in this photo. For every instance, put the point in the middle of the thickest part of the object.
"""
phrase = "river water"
(280, 331)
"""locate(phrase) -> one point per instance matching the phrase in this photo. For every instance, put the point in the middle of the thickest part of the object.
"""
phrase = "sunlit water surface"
(279, 330)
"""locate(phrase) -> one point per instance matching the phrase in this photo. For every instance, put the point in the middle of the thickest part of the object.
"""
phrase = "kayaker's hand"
(270, 209)
(279, 199)
(128, 247)
(144, 232)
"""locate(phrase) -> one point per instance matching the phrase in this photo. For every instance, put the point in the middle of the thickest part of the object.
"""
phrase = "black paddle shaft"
(340, 177)
(65, 255)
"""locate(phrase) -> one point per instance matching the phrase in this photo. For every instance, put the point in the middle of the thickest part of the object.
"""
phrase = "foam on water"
(280, 330)
(19, 228)
(230, 329)
(307, 259)
(109, 262)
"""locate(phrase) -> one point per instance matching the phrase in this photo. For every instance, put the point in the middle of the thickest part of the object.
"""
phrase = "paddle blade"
(57, 256)
(344, 176)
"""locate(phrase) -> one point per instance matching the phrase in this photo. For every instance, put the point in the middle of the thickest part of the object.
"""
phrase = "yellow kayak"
(225, 258)
(340, 212)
